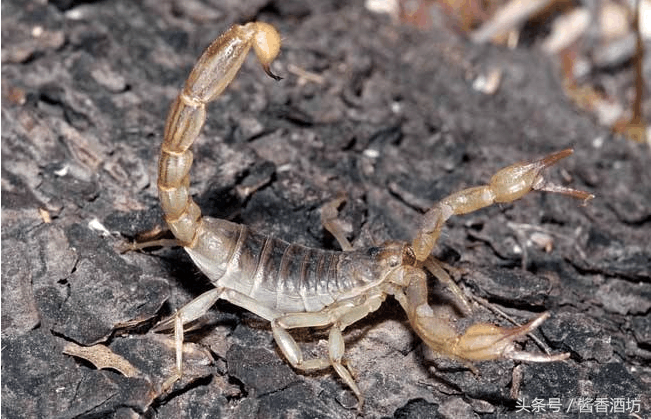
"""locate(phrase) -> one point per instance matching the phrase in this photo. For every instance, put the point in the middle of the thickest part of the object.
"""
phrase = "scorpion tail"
(214, 71)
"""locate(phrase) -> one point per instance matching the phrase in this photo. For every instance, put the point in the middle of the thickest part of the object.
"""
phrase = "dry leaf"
(102, 357)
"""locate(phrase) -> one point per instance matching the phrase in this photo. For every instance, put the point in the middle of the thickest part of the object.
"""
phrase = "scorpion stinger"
(293, 286)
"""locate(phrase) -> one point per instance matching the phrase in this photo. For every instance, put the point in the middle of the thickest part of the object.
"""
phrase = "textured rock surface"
(392, 119)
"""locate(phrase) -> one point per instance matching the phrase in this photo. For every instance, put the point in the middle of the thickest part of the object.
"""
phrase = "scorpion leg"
(339, 317)
(480, 342)
(197, 308)
(188, 313)
(334, 225)
(507, 185)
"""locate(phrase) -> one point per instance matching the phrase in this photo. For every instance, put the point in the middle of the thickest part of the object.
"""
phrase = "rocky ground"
(380, 111)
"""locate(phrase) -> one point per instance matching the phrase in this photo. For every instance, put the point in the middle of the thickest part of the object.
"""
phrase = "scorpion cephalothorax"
(294, 286)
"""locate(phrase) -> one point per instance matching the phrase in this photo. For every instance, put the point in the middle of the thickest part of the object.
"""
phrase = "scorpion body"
(294, 286)
(279, 276)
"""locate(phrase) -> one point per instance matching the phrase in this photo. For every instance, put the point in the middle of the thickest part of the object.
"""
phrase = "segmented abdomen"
(278, 275)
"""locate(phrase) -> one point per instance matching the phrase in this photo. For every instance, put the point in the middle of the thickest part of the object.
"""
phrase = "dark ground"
(392, 119)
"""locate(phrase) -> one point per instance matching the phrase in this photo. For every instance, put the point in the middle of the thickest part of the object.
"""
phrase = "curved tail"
(214, 71)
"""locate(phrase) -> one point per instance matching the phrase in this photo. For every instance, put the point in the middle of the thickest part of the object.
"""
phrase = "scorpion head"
(389, 259)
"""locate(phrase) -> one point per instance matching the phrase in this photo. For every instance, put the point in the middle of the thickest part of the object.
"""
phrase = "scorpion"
(293, 286)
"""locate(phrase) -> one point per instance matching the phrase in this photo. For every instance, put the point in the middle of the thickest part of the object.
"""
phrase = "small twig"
(304, 74)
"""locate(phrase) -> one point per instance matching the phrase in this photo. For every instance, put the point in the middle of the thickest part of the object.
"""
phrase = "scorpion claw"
(543, 185)
(517, 180)
(480, 342)
(507, 185)
(529, 357)
(484, 342)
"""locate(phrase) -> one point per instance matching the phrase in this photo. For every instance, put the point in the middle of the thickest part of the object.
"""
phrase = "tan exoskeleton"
(293, 286)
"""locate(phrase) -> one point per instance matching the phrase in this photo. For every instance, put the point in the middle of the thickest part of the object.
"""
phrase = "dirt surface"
(385, 113)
